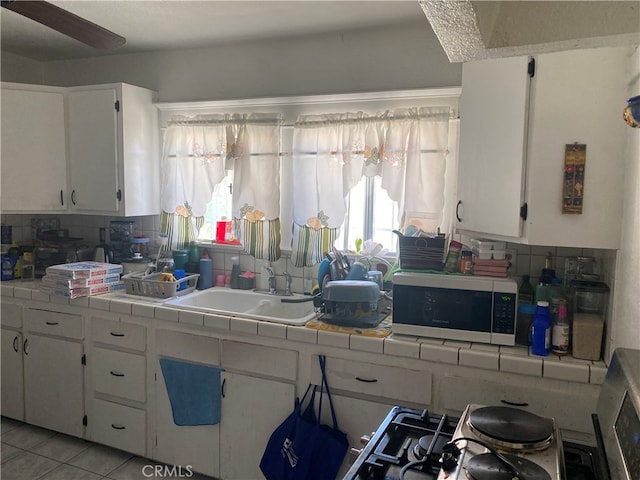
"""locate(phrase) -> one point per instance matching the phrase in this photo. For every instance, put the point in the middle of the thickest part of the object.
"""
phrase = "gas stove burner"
(488, 467)
(511, 429)
(421, 449)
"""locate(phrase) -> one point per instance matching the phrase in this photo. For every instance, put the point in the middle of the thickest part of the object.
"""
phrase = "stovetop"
(544, 463)
(408, 444)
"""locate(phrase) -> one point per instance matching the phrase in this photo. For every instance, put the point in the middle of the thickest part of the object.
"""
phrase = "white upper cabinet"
(34, 168)
(90, 150)
(114, 161)
(513, 133)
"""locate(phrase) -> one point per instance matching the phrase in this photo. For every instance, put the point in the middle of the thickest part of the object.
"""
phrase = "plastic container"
(541, 330)
(180, 259)
(235, 271)
(206, 274)
(453, 256)
(28, 267)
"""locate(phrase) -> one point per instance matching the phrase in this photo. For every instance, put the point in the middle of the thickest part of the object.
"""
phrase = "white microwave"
(455, 307)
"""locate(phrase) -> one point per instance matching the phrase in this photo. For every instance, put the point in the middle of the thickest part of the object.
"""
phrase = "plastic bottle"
(526, 292)
(235, 271)
(560, 332)
(541, 330)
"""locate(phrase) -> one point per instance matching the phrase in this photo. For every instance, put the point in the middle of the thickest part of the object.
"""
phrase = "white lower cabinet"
(53, 389)
(196, 447)
(54, 370)
(251, 410)
(119, 426)
(12, 374)
(356, 418)
(117, 384)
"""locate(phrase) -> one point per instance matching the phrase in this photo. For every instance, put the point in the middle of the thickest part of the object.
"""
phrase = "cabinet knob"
(355, 452)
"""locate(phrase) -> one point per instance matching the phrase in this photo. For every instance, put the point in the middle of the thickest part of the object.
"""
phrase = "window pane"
(385, 216)
(217, 208)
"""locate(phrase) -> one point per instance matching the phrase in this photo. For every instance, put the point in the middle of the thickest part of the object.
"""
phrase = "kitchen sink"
(291, 310)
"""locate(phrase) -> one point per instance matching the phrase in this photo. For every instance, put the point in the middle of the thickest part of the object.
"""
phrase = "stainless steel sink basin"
(248, 304)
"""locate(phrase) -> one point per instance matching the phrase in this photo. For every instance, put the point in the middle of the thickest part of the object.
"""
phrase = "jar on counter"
(466, 262)
(453, 256)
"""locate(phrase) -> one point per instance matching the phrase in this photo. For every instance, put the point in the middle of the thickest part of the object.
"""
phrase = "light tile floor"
(33, 453)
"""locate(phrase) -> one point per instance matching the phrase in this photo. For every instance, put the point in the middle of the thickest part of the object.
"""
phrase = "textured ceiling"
(486, 29)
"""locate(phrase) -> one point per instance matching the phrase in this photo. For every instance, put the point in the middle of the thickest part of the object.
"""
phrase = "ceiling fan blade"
(66, 22)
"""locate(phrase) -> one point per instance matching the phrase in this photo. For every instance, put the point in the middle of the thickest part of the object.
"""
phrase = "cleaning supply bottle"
(235, 271)
(541, 330)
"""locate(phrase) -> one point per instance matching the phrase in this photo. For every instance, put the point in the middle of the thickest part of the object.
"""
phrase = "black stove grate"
(408, 445)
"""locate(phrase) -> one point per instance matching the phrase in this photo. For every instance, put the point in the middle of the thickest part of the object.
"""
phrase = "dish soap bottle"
(541, 330)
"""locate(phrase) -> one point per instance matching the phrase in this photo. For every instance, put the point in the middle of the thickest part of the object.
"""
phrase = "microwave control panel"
(504, 312)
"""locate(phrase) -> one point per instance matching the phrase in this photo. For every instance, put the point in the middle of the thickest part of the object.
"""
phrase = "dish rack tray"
(138, 283)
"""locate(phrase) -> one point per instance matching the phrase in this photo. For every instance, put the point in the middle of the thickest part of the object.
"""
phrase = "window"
(371, 214)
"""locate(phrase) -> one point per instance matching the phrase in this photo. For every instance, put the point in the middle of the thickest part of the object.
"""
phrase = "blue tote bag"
(301, 448)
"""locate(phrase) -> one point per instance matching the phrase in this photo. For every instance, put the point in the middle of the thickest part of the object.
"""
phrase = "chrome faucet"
(272, 279)
(287, 283)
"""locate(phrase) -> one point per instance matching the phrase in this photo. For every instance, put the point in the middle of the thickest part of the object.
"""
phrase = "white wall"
(400, 57)
(21, 70)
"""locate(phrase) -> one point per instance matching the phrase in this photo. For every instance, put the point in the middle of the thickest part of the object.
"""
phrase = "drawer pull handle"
(515, 404)
(51, 323)
(25, 346)
(116, 374)
(15, 344)
(116, 334)
(367, 380)
(222, 389)
(117, 427)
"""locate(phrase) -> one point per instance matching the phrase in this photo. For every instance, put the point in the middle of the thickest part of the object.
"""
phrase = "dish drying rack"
(150, 285)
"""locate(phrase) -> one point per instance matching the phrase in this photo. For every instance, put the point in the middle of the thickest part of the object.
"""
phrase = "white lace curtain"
(331, 153)
(197, 151)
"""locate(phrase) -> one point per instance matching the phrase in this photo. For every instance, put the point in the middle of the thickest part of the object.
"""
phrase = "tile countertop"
(516, 359)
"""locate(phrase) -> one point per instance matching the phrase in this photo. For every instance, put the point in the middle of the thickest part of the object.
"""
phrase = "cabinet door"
(493, 122)
(357, 417)
(93, 151)
(197, 445)
(34, 156)
(251, 410)
(12, 376)
(575, 97)
(53, 384)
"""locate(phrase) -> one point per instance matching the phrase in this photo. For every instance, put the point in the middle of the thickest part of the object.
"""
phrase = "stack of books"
(490, 267)
(82, 279)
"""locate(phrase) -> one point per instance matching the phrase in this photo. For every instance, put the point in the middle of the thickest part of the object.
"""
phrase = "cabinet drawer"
(192, 348)
(54, 323)
(119, 373)
(10, 315)
(119, 334)
(273, 362)
(398, 384)
(119, 426)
